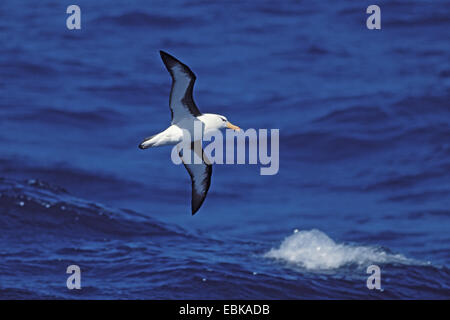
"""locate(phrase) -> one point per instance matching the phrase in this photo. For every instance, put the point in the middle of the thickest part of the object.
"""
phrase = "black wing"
(181, 101)
(200, 171)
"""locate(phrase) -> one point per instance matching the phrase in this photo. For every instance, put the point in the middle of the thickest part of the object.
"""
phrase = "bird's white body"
(175, 133)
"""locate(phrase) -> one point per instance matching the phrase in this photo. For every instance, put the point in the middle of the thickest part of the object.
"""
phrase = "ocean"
(364, 161)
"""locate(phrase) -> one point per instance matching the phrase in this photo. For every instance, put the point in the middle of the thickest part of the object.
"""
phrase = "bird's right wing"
(181, 101)
(200, 173)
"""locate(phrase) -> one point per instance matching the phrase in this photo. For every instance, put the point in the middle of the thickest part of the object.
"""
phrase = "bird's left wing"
(200, 170)
(181, 102)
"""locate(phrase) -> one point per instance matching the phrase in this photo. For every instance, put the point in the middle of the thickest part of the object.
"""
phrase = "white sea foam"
(314, 250)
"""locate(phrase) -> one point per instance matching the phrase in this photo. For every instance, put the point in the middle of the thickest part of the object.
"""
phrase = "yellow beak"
(232, 126)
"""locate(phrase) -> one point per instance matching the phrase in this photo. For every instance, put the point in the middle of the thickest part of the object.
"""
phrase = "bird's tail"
(147, 142)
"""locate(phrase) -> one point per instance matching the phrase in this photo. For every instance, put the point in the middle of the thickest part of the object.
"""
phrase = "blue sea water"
(364, 119)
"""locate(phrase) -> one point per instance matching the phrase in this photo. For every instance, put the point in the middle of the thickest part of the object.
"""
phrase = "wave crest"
(314, 250)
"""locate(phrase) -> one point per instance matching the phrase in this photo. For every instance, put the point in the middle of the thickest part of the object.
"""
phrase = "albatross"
(184, 114)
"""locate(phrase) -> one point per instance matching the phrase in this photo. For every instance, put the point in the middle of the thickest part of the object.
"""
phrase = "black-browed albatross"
(184, 114)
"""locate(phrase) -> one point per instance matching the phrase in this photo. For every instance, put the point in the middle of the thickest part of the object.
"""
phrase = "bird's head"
(221, 122)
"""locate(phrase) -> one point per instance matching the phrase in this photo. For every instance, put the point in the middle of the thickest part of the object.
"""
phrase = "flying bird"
(184, 114)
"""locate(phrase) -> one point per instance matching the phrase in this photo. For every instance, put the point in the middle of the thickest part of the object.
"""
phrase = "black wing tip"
(197, 200)
(196, 205)
(168, 59)
(164, 54)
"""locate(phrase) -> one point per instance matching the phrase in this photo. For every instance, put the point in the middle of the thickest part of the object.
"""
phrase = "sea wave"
(141, 19)
(37, 204)
(314, 250)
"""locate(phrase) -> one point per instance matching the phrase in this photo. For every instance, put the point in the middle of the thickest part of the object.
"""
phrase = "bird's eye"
(223, 119)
